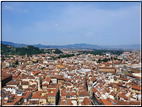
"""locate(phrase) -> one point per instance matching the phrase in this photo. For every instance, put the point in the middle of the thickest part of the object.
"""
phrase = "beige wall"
(24, 86)
(44, 87)
(60, 81)
(43, 101)
(52, 100)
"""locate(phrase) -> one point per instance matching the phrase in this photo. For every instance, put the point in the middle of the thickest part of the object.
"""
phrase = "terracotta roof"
(27, 95)
(106, 67)
(120, 84)
(62, 102)
(48, 79)
(52, 92)
(5, 75)
(113, 94)
(135, 102)
(94, 90)
(86, 101)
(16, 100)
(123, 96)
(124, 103)
(83, 93)
(32, 102)
(124, 79)
(136, 87)
(113, 101)
(53, 86)
(37, 95)
(36, 72)
(69, 102)
(13, 82)
(63, 92)
(106, 71)
(93, 79)
(106, 102)
(25, 83)
(133, 76)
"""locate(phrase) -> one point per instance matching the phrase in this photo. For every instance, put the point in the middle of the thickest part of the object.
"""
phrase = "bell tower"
(39, 89)
(112, 60)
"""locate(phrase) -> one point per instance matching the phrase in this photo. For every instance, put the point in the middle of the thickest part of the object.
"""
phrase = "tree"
(16, 62)
(99, 61)
(105, 60)
(42, 68)
(57, 51)
(2, 58)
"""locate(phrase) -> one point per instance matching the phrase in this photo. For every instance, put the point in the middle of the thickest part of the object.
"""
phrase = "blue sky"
(61, 23)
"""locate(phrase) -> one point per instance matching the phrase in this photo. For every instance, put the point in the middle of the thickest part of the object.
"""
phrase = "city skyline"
(62, 23)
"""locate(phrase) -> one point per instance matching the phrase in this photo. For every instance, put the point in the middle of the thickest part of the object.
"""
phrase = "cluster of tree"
(57, 51)
(63, 56)
(7, 50)
(66, 56)
(104, 60)
(29, 50)
(108, 59)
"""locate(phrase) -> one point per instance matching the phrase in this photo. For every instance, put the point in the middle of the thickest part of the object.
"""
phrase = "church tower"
(112, 60)
(26, 55)
(39, 89)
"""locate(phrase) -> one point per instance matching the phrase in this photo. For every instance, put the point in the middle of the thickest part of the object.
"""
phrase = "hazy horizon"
(74, 43)
(64, 23)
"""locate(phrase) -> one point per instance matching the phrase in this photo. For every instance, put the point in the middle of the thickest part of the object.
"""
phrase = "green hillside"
(29, 50)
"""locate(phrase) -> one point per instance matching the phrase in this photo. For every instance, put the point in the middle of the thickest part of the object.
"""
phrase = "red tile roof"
(135, 103)
(86, 101)
(37, 95)
(83, 93)
(123, 96)
(93, 79)
(106, 102)
(36, 72)
(69, 102)
(136, 87)
(27, 95)
(48, 79)
(52, 92)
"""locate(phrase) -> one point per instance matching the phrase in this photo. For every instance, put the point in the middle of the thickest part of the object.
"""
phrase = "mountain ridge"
(76, 46)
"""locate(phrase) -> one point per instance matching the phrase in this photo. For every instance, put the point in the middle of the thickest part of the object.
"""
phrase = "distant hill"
(13, 44)
(29, 50)
(83, 46)
(77, 46)
(72, 46)
(132, 46)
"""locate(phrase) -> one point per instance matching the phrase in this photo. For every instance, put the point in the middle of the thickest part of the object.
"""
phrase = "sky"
(62, 23)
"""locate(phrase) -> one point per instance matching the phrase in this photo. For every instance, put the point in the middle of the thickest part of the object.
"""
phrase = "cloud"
(56, 25)
(15, 9)
(92, 24)
(102, 22)
(7, 7)
(25, 11)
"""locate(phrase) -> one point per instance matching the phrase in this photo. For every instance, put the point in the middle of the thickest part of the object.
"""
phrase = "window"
(67, 96)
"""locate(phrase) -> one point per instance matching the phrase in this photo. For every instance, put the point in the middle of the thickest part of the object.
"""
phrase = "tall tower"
(39, 89)
(112, 60)
(26, 55)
